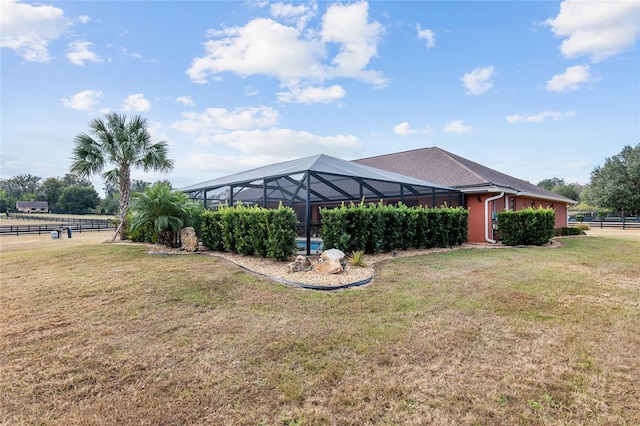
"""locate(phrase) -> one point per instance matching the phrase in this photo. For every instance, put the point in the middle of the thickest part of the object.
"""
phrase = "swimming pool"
(315, 245)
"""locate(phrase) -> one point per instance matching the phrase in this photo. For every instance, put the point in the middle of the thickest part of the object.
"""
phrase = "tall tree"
(548, 184)
(138, 185)
(73, 180)
(52, 188)
(78, 199)
(124, 144)
(26, 184)
(571, 190)
(616, 185)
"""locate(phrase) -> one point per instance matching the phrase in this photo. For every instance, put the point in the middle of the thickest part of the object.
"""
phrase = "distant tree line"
(68, 194)
(614, 186)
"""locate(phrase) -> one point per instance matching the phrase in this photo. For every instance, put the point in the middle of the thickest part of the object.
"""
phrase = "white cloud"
(79, 52)
(257, 148)
(404, 129)
(29, 29)
(540, 117)
(598, 29)
(136, 103)
(426, 35)
(136, 55)
(349, 26)
(226, 164)
(82, 101)
(295, 55)
(572, 78)
(263, 46)
(217, 120)
(478, 81)
(299, 15)
(286, 143)
(185, 100)
(250, 131)
(457, 126)
(309, 95)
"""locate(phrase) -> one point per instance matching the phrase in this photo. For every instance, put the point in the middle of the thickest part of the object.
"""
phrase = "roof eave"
(483, 189)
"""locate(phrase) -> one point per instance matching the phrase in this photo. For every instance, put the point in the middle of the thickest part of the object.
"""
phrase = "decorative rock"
(329, 266)
(301, 264)
(189, 239)
(334, 254)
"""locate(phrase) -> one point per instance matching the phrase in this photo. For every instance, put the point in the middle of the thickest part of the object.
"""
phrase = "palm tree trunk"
(115, 234)
(125, 197)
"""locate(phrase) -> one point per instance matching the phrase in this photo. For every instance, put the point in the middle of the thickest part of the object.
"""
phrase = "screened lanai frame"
(319, 179)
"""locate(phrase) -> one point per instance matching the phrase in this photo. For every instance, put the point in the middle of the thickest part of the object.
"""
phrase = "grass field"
(108, 334)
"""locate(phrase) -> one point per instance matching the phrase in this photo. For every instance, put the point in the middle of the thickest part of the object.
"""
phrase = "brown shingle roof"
(444, 168)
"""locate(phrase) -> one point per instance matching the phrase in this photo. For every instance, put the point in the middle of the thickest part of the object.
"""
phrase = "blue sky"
(535, 89)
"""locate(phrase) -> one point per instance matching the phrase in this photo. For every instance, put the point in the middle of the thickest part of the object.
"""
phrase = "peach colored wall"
(475, 204)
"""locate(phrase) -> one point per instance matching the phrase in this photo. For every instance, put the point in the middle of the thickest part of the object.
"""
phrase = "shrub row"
(568, 230)
(377, 227)
(251, 230)
(526, 227)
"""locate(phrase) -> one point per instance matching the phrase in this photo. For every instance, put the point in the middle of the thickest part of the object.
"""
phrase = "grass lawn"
(108, 334)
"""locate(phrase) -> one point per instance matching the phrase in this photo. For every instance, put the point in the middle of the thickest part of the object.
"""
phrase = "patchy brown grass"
(108, 334)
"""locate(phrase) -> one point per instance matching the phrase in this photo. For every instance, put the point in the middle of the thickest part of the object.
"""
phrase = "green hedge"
(377, 227)
(526, 227)
(568, 230)
(251, 231)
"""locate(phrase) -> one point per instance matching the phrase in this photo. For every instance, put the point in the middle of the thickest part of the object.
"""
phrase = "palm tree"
(164, 211)
(125, 144)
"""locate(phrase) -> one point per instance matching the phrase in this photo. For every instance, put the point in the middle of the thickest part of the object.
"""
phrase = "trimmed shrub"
(583, 226)
(567, 230)
(281, 232)
(251, 230)
(212, 230)
(526, 227)
(357, 227)
(389, 227)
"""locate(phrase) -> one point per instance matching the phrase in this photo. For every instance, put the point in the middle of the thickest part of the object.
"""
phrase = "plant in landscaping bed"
(251, 230)
(383, 227)
(159, 213)
(356, 258)
(281, 232)
(568, 230)
(526, 227)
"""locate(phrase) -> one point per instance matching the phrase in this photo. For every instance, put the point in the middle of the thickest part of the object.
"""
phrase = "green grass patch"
(496, 336)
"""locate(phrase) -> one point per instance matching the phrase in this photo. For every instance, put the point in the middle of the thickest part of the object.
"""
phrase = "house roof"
(32, 204)
(437, 165)
(331, 179)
